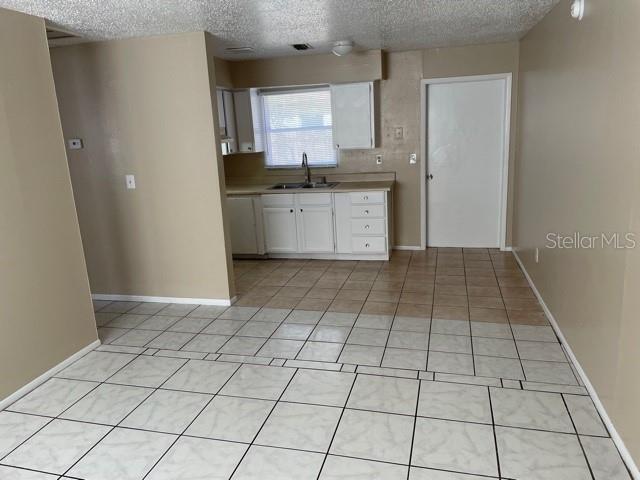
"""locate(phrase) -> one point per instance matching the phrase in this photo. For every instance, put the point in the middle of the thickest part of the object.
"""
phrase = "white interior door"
(465, 154)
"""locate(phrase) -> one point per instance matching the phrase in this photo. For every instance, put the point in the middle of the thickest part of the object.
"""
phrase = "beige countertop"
(364, 186)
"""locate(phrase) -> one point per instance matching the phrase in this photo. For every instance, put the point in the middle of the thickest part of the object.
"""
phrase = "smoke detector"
(577, 9)
(342, 47)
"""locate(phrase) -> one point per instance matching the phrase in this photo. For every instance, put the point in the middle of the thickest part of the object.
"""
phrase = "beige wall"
(45, 308)
(307, 69)
(577, 171)
(399, 107)
(222, 69)
(142, 106)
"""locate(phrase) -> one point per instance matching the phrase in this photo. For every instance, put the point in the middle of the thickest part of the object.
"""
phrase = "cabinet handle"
(366, 197)
(366, 227)
(366, 212)
(367, 245)
(291, 211)
(300, 209)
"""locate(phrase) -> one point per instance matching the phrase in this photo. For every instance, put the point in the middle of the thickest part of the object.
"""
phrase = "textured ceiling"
(270, 26)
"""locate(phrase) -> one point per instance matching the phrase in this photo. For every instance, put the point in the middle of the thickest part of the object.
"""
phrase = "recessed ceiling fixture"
(238, 49)
(301, 46)
(577, 9)
(342, 47)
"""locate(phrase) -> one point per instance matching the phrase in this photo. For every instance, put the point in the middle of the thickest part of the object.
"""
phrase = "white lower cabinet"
(315, 229)
(298, 223)
(245, 219)
(280, 233)
(350, 225)
(362, 223)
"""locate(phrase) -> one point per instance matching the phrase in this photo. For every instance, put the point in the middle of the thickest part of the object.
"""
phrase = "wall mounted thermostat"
(74, 143)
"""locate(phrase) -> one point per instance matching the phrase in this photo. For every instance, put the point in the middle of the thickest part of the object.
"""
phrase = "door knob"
(430, 177)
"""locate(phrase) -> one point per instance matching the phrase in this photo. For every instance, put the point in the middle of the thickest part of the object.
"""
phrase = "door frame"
(504, 184)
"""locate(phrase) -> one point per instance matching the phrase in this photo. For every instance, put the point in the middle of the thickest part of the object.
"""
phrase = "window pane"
(296, 122)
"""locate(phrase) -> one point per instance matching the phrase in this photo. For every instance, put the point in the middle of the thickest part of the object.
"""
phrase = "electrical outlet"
(378, 159)
(74, 143)
(537, 255)
(398, 133)
(130, 181)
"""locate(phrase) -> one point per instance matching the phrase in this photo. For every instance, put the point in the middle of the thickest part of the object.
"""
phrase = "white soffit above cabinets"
(270, 27)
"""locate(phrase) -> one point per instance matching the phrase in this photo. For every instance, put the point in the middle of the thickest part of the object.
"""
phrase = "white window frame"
(285, 90)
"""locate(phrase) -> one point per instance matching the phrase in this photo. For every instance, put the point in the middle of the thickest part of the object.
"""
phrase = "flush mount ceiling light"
(342, 47)
(577, 9)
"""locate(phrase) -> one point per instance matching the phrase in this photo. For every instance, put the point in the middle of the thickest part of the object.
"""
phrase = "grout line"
(495, 437)
(264, 422)
(335, 431)
(584, 454)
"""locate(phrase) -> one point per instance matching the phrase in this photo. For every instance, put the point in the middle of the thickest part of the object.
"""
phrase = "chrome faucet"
(305, 165)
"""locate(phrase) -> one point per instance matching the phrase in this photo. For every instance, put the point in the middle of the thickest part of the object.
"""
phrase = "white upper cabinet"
(352, 108)
(241, 121)
(227, 120)
(230, 121)
(249, 123)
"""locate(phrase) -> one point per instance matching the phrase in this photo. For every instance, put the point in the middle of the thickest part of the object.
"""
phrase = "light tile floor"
(437, 365)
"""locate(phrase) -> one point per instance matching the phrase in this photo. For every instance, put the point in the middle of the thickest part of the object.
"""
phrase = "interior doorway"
(465, 130)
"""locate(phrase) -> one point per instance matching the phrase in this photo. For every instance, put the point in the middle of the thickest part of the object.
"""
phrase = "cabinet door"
(352, 112)
(243, 225)
(315, 229)
(230, 121)
(280, 230)
(221, 120)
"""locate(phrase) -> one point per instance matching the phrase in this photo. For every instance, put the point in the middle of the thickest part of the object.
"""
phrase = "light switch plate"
(398, 133)
(74, 143)
(413, 159)
(131, 181)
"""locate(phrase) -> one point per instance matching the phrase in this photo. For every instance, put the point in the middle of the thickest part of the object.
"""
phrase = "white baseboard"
(144, 298)
(615, 436)
(4, 403)
(407, 247)
(507, 249)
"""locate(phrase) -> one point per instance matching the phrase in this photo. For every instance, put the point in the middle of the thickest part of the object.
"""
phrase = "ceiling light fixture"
(577, 9)
(342, 47)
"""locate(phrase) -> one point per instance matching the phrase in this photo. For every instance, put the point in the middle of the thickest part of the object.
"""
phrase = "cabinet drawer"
(366, 226)
(365, 211)
(367, 197)
(278, 200)
(314, 199)
(369, 244)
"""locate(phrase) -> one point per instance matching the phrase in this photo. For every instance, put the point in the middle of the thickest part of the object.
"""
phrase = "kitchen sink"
(286, 186)
(293, 186)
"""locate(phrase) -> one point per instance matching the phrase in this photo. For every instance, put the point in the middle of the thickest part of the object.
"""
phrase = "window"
(297, 121)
